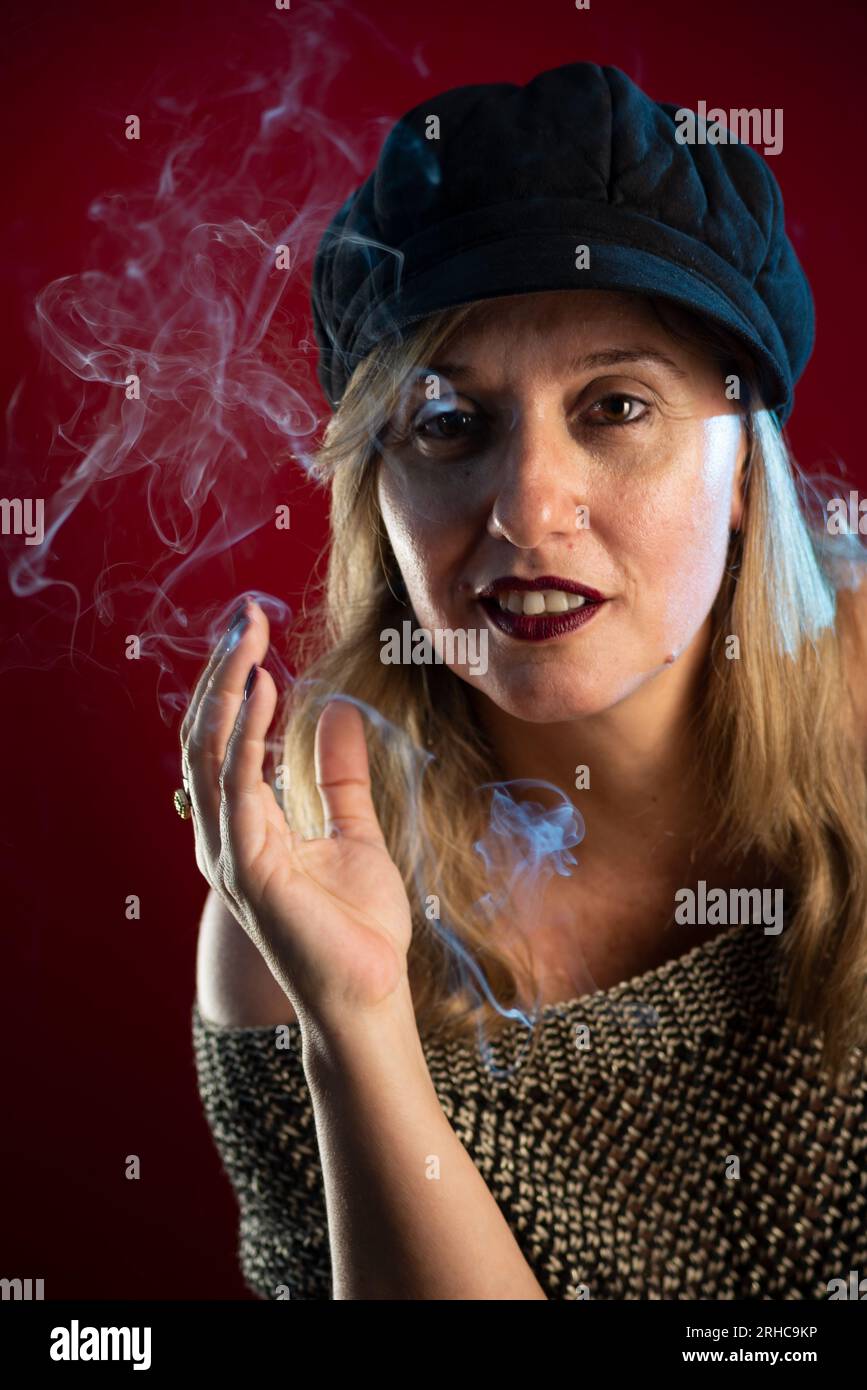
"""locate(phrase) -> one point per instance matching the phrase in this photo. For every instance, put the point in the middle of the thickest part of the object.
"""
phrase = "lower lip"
(540, 627)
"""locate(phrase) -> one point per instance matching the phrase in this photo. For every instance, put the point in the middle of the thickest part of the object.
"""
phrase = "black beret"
(517, 178)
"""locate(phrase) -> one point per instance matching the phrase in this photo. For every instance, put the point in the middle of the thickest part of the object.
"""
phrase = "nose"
(538, 493)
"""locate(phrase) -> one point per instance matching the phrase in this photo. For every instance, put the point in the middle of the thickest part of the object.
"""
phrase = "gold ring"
(183, 805)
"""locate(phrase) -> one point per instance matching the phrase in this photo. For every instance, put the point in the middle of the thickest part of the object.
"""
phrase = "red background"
(96, 1009)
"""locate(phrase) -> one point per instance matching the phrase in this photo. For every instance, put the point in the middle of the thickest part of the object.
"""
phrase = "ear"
(740, 475)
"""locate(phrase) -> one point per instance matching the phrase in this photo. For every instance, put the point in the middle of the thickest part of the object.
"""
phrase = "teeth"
(535, 601)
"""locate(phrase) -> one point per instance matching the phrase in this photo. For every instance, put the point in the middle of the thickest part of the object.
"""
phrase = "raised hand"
(330, 916)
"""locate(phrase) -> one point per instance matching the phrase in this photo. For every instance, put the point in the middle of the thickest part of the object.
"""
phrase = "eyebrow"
(608, 357)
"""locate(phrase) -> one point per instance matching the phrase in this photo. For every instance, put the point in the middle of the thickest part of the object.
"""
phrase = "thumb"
(343, 774)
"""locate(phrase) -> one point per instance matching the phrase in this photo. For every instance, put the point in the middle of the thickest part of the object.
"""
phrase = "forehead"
(554, 334)
(551, 313)
(540, 328)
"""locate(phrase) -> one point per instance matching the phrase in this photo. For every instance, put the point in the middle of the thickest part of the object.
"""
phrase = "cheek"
(423, 547)
(680, 542)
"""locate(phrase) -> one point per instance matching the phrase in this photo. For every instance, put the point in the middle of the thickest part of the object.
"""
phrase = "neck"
(645, 803)
(646, 831)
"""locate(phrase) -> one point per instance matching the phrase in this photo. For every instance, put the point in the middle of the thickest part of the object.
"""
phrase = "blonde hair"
(776, 731)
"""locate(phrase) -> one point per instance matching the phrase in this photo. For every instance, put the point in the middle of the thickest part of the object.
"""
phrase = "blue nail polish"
(238, 616)
(251, 681)
(236, 629)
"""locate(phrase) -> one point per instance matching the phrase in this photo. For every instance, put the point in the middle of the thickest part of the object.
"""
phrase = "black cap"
(521, 176)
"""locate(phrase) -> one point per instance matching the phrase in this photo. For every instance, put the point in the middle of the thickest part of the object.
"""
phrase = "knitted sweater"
(682, 1145)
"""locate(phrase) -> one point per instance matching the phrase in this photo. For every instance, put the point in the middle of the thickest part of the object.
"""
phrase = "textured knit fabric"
(614, 1163)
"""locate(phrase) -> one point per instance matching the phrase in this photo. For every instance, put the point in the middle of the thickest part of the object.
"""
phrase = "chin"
(538, 702)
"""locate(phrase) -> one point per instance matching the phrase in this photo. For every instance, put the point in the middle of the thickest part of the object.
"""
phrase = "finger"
(227, 640)
(343, 774)
(204, 751)
(226, 644)
(248, 807)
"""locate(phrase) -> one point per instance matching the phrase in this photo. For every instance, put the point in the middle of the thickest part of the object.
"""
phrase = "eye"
(618, 409)
(447, 426)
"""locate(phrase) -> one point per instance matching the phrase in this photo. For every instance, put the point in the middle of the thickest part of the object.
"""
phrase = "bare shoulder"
(234, 987)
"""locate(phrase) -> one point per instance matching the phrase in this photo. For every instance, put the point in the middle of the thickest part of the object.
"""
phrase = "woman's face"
(574, 439)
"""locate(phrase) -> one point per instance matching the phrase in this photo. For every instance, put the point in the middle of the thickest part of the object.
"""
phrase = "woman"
(442, 1055)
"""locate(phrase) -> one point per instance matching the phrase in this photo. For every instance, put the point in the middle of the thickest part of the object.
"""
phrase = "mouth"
(539, 609)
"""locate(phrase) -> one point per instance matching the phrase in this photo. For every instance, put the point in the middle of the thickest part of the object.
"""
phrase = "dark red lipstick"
(539, 627)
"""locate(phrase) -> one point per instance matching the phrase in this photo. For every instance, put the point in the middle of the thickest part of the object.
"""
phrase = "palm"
(335, 911)
(332, 913)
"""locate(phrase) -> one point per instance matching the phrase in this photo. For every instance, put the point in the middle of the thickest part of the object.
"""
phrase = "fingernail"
(237, 627)
(238, 617)
(251, 681)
